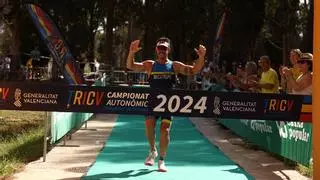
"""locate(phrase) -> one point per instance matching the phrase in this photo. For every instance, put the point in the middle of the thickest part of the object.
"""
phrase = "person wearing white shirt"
(303, 84)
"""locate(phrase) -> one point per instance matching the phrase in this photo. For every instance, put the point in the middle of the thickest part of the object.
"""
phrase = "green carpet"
(190, 155)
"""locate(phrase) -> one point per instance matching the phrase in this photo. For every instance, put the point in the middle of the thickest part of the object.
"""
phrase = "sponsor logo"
(85, 98)
(21, 98)
(4, 92)
(216, 106)
(239, 106)
(39, 98)
(260, 126)
(293, 131)
(276, 105)
(161, 76)
(17, 98)
(110, 100)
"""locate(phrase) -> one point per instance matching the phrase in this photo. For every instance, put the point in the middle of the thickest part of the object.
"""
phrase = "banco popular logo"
(17, 98)
(216, 106)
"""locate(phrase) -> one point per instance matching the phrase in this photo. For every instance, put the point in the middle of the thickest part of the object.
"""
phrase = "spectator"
(206, 80)
(250, 75)
(295, 55)
(206, 67)
(235, 81)
(50, 65)
(269, 82)
(87, 67)
(2, 67)
(303, 84)
(6, 65)
(35, 54)
(96, 65)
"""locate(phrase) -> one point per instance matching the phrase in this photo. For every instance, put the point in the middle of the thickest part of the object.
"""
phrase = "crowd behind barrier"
(290, 140)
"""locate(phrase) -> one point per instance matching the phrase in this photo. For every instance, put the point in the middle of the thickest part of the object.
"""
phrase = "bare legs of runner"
(150, 125)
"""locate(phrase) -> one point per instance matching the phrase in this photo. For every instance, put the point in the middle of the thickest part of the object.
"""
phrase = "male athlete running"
(161, 73)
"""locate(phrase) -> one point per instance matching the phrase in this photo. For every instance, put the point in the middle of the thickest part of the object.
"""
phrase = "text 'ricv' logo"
(85, 98)
(4, 93)
(278, 105)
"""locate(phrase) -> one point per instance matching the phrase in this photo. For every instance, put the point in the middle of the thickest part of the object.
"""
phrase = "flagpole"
(217, 41)
(316, 92)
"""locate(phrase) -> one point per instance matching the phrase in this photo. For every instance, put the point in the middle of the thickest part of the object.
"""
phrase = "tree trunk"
(285, 49)
(212, 35)
(182, 42)
(91, 46)
(14, 48)
(148, 44)
(108, 49)
(130, 38)
(92, 35)
(307, 42)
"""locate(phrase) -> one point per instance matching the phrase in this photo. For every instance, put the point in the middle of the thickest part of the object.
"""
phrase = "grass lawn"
(21, 139)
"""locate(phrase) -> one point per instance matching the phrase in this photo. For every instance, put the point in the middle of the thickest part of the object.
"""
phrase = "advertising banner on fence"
(143, 101)
(288, 139)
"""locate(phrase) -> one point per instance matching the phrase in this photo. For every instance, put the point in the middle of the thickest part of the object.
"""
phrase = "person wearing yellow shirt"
(269, 82)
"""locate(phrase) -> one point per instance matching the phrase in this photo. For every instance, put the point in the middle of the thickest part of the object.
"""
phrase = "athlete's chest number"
(174, 104)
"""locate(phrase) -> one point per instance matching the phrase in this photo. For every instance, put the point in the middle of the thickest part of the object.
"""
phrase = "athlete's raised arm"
(184, 69)
(137, 66)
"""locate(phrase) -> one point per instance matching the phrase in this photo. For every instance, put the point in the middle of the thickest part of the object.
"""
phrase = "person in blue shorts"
(161, 73)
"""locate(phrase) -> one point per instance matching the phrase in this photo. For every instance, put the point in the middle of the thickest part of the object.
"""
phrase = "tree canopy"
(103, 29)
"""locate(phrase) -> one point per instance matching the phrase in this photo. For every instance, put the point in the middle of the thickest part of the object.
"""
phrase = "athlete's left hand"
(201, 51)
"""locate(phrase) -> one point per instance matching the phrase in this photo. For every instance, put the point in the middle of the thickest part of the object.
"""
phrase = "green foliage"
(252, 27)
(21, 139)
(5, 38)
(16, 151)
(78, 22)
(306, 171)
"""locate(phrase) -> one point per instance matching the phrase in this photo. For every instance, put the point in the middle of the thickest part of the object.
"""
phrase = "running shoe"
(151, 157)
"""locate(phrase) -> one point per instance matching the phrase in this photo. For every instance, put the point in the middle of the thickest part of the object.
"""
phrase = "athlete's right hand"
(134, 46)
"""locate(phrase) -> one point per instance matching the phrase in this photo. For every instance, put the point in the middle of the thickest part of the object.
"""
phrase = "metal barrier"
(120, 77)
(137, 77)
(37, 73)
(124, 77)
